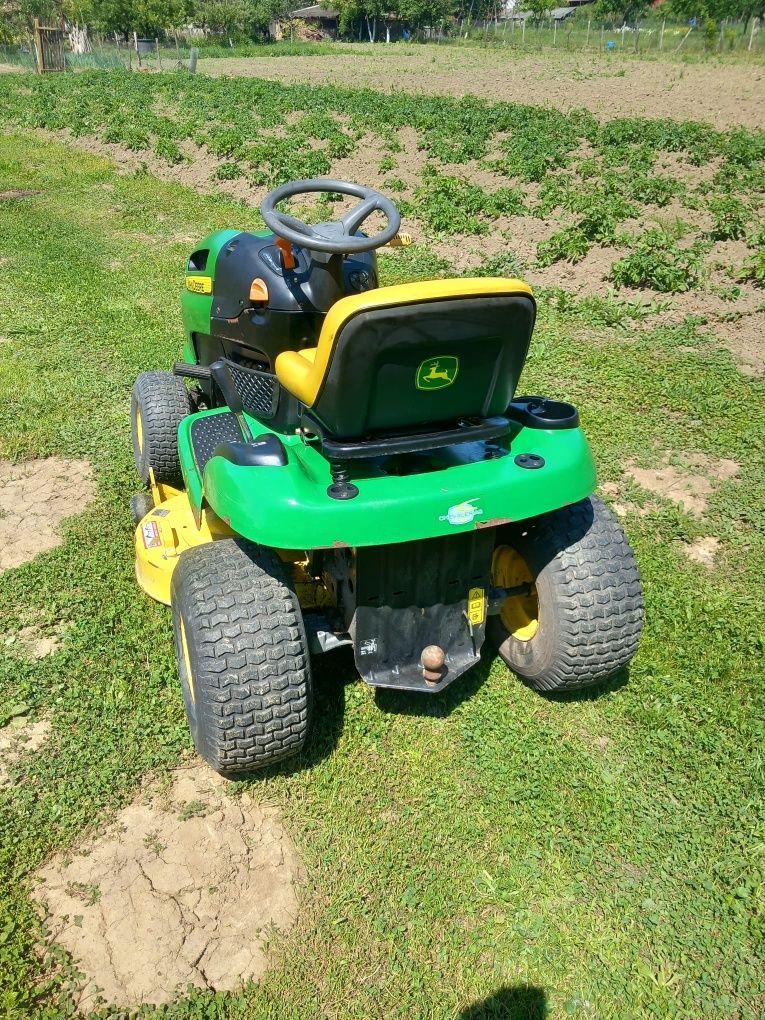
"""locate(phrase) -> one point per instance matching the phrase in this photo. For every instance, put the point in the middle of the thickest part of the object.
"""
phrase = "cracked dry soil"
(183, 889)
(35, 497)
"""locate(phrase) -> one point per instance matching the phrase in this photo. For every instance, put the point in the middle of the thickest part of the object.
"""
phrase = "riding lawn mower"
(335, 463)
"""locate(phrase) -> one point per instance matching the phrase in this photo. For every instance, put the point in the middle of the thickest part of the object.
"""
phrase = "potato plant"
(591, 179)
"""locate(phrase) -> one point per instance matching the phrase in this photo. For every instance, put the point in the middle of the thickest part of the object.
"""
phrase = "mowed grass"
(489, 852)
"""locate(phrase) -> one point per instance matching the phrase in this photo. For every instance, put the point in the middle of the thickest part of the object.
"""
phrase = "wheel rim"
(519, 613)
(139, 429)
(187, 663)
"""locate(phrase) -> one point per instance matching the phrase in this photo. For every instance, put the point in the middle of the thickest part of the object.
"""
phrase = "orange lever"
(288, 256)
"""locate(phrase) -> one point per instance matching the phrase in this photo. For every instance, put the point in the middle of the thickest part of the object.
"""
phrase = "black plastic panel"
(414, 594)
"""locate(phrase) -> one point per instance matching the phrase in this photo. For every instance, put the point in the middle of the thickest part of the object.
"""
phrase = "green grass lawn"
(605, 851)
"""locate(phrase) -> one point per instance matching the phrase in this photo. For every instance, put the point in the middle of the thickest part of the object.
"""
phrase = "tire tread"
(252, 669)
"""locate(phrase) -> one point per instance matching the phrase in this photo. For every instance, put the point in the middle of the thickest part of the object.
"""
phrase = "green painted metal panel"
(288, 507)
(196, 308)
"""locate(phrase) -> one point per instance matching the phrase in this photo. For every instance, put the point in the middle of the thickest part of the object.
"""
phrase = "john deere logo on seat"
(435, 373)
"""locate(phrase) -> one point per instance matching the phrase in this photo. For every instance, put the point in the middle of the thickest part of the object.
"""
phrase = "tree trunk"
(78, 39)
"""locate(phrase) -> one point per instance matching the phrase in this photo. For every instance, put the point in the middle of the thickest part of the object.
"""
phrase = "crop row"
(590, 176)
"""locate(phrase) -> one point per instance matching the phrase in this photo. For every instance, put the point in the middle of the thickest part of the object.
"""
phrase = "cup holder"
(543, 413)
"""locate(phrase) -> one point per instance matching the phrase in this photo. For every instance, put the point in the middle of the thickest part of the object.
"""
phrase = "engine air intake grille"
(259, 390)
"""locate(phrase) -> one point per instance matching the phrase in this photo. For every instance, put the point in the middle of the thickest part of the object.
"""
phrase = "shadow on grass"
(516, 1002)
(443, 704)
(333, 672)
(439, 705)
(331, 675)
(610, 686)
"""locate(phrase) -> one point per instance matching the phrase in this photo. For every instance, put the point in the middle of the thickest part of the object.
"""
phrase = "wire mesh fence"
(578, 34)
(587, 35)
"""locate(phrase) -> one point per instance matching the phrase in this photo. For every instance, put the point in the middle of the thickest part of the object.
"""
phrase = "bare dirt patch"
(34, 643)
(703, 550)
(20, 737)
(723, 94)
(14, 193)
(745, 339)
(35, 497)
(184, 889)
(688, 484)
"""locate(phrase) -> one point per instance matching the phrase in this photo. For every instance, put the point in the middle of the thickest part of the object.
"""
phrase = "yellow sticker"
(199, 284)
(476, 610)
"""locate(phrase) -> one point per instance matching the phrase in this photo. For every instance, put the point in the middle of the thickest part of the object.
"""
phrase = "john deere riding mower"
(338, 463)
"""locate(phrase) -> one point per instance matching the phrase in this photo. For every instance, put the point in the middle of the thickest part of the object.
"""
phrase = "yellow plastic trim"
(173, 530)
(519, 613)
(303, 376)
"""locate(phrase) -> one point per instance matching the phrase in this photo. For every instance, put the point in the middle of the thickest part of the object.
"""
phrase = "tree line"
(242, 20)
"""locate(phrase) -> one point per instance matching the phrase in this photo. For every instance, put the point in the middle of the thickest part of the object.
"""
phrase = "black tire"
(159, 403)
(589, 595)
(140, 505)
(248, 693)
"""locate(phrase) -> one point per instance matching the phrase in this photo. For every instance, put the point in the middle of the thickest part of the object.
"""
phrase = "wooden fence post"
(755, 25)
(587, 43)
(661, 35)
(38, 47)
(683, 39)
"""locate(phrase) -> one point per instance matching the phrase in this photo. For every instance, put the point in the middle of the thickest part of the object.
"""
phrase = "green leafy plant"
(570, 244)
(753, 269)
(657, 262)
(168, 150)
(228, 172)
(730, 218)
(450, 205)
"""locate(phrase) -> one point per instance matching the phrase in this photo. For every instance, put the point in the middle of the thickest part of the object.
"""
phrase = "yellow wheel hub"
(187, 663)
(519, 613)
(139, 429)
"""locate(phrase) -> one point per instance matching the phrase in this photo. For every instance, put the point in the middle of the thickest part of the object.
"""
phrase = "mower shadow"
(332, 673)
(442, 705)
(438, 705)
(610, 686)
(513, 1002)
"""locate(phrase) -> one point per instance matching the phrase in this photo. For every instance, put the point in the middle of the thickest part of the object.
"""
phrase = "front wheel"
(242, 655)
(577, 615)
(159, 403)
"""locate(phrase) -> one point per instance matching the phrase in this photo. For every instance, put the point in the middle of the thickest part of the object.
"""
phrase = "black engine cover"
(298, 299)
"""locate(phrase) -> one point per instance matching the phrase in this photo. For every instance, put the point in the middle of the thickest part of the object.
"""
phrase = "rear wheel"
(242, 655)
(578, 613)
(159, 403)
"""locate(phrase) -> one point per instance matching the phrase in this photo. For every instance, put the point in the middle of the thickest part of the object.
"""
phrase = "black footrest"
(209, 432)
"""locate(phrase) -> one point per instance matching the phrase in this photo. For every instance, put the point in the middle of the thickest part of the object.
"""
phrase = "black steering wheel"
(340, 236)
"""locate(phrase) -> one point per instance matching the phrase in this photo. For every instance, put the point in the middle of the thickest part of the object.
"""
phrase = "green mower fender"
(287, 507)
